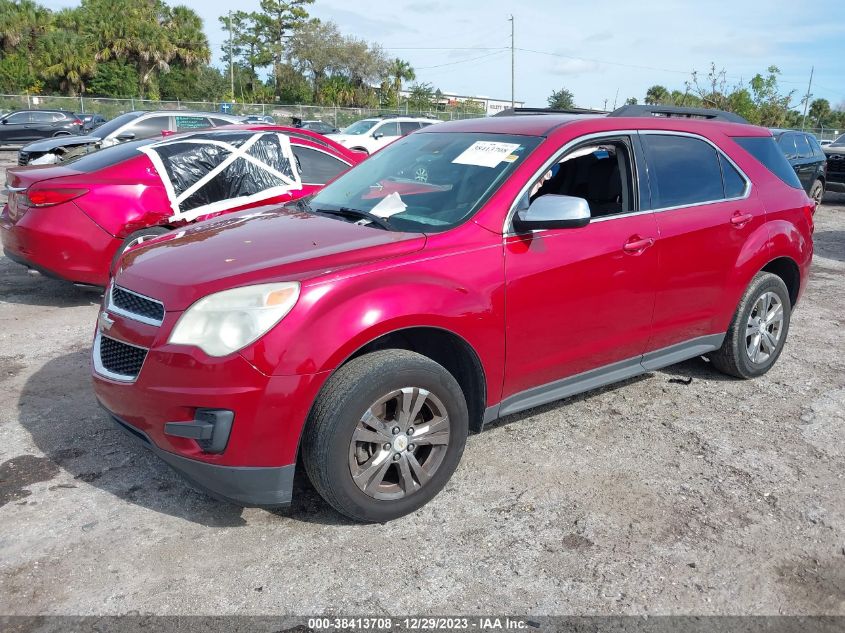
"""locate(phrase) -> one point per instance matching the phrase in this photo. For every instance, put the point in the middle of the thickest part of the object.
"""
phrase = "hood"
(256, 246)
(834, 149)
(50, 144)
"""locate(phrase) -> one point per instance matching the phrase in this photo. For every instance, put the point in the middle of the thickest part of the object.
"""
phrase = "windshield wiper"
(357, 213)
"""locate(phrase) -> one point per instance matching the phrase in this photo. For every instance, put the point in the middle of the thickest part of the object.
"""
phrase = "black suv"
(835, 153)
(807, 158)
(23, 126)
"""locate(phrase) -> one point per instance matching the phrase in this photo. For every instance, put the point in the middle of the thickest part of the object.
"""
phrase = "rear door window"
(734, 182)
(787, 145)
(152, 126)
(316, 167)
(682, 170)
(41, 117)
(817, 149)
(764, 149)
(803, 146)
(388, 129)
(406, 127)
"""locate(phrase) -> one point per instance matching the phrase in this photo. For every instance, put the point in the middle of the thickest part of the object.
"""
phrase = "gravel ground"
(654, 496)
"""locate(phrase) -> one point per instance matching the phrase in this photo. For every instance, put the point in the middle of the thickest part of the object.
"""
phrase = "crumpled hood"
(254, 246)
(60, 141)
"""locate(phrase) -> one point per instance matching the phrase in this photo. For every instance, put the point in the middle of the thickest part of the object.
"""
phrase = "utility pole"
(513, 66)
(807, 98)
(231, 60)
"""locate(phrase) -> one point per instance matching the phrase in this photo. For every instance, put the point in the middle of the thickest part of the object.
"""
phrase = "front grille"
(23, 158)
(121, 358)
(136, 306)
(836, 163)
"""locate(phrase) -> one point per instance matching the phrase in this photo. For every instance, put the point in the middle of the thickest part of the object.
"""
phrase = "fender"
(334, 319)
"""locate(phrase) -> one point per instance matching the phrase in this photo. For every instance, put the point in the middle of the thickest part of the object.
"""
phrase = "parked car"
(367, 330)
(23, 126)
(825, 143)
(126, 127)
(91, 121)
(259, 118)
(835, 154)
(70, 221)
(315, 126)
(807, 158)
(370, 135)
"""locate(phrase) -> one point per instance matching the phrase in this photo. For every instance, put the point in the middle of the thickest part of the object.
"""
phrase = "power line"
(462, 61)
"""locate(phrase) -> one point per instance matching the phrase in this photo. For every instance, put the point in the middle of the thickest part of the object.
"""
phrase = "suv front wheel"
(385, 435)
(758, 331)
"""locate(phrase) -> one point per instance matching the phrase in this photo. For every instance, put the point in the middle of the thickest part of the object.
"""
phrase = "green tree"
(67, 58)
(631, 101)
(275, 23)
(315, 47)
(114, 78)
(562, 99)
(819, 111)
(420, 97)
(658, 95)
(400, 70)
(772, 105)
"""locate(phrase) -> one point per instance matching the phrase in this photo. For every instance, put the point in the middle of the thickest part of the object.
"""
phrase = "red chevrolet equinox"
(466, 272)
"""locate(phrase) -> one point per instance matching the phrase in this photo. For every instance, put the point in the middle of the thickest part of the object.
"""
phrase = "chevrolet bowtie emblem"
(105, 321)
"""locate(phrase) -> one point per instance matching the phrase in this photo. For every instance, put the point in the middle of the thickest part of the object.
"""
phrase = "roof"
(546, 124)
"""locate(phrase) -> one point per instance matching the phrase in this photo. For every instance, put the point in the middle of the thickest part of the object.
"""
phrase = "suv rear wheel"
(758, 331)
(385, 435)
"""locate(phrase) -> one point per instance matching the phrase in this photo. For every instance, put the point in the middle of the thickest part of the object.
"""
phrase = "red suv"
(468, 271)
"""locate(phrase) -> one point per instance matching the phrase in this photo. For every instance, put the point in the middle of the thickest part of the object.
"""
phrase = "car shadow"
(58, 408)
(20, 285)
(830, 245)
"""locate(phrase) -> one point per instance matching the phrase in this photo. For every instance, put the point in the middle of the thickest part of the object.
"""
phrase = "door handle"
(741, 219)
(636, 244)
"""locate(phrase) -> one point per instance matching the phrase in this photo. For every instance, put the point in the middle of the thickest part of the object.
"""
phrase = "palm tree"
(400, 70)
(67, 58)
(22, 23)
(658, 95)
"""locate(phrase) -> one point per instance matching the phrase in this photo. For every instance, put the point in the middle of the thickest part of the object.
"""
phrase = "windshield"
(839, 141)
(119, 121)
(428, 182)
(360, 127)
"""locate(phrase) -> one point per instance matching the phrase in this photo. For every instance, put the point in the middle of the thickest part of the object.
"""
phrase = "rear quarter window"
(764, 149)
(108, 157)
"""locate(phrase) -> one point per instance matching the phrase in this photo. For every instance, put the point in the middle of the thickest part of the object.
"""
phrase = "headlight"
(227, 321)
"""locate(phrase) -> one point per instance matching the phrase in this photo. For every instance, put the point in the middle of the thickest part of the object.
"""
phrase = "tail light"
(810, 211)
(77, 122)
(48, 197)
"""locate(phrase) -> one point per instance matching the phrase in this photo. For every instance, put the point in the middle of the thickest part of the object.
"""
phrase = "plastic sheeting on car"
(209, 172)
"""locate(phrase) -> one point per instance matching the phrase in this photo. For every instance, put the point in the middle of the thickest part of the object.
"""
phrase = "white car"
(370, 135)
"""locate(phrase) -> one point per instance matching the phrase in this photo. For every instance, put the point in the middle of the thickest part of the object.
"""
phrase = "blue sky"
(592, 48)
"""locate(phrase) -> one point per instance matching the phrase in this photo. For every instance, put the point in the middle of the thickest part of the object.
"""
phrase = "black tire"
(817, 191)
(132, 238)
(733, 357)
(346, 396)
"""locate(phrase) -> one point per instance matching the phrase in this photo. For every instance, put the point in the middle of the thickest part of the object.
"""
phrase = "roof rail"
(677, 112)
(534, 111)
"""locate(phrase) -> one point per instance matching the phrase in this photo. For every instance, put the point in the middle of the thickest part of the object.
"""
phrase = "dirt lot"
(653, 496)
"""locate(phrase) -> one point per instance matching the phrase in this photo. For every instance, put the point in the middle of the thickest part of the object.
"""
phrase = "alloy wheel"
(764, 328)
(399, 443)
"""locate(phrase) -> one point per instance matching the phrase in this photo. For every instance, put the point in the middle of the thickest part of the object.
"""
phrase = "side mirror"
(4, 121)
(377, 135)
(125, 136)
(553, 212)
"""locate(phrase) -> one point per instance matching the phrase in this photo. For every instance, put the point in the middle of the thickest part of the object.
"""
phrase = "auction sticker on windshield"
(486, 153)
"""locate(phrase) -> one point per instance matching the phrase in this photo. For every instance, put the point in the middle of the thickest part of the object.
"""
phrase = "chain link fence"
(109, 108)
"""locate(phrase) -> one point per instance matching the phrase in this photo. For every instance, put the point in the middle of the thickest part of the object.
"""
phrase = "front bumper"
(245, 486)
(60, 241)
